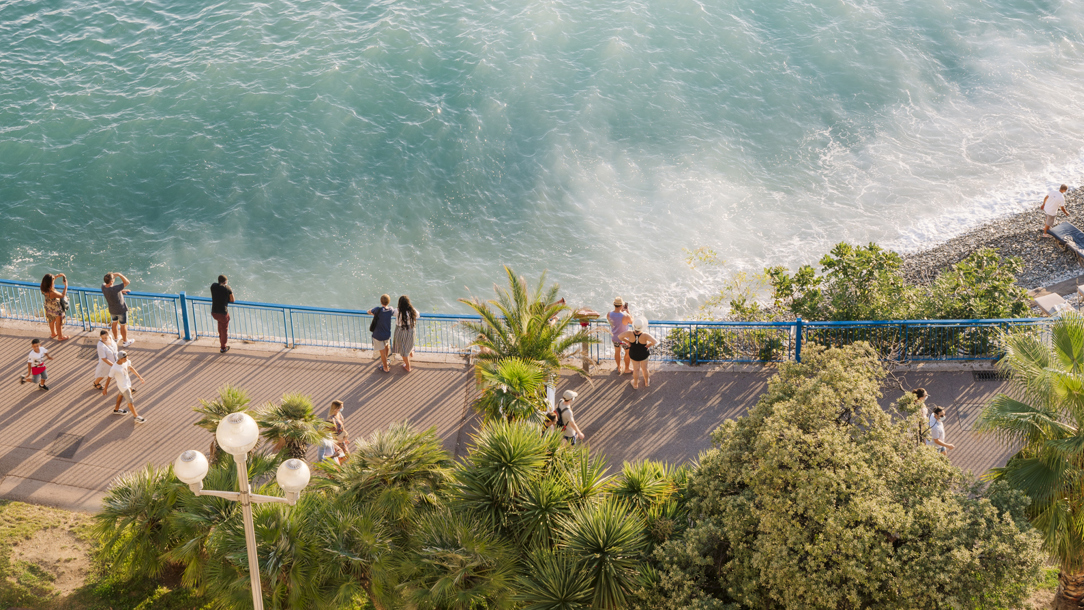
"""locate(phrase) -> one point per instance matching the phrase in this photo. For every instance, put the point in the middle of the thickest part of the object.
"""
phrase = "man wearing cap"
(619, 320)
(565, 423)
(119, 372)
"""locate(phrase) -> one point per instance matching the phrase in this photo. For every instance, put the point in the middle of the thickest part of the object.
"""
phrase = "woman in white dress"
(107, 357)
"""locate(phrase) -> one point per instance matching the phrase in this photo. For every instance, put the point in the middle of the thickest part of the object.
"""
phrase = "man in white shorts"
(107, 356)
(119, 373)
(937, 432)
(1054, 201)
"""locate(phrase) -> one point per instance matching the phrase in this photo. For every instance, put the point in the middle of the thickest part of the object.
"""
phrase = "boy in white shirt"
(119, 373)
(35, 364)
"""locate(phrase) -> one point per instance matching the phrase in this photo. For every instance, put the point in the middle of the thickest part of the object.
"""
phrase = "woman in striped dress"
(406, 317)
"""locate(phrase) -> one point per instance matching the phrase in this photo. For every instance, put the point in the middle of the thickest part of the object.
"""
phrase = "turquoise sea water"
(324, 152)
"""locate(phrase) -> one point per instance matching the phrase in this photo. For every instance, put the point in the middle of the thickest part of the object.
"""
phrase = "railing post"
(906, 342)
(694, 331)
(85, 307)
(287, 324)
(185, 332)
(798, 340)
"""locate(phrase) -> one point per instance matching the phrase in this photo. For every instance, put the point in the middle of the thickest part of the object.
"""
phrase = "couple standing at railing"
(405, 318)
(57, 305)
(636, 343)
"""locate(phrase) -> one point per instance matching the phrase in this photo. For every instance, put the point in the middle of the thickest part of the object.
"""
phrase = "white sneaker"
(127, 343)
(140, 420)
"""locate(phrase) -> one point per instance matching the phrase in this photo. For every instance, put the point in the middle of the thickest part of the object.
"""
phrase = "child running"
(119, 372)
(35, 364)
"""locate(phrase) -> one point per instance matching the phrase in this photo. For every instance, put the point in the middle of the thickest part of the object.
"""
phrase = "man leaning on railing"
(221, 296)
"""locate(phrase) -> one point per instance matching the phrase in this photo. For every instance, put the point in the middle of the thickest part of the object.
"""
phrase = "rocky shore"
(1045, 261)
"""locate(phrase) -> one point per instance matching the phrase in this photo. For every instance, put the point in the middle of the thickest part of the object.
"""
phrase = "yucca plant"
(131, 528)
(584, 474)
(456, 562)
(292, 425)
(1046, 419)
(643, 484)
(397, 471)
(231, 399)
(540, 510)
(513, 389)
(553, 580)
(504, 459)
(607, 539)
(523, 323)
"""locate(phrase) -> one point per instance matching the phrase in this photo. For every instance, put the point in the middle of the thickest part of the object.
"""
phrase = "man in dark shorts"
(221, 296)
(118, 309)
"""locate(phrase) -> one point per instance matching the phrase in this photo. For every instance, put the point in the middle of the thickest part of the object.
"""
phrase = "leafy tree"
(982, 286)
(818, 499)
(529, 324)
(231, 399)
(855, 283)
(292, 425)
(1044, 415)
(513, 388)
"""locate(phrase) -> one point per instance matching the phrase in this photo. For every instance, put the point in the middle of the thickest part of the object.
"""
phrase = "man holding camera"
(619, 320)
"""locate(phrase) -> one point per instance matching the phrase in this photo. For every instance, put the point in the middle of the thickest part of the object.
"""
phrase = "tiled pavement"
(63, 446)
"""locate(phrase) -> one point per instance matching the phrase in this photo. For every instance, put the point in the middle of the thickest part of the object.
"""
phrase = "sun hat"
(618, 301)
(122, 355)
(639, 324)
(570, 395)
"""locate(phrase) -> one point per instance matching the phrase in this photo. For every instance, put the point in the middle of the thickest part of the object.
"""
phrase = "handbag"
(64, 304)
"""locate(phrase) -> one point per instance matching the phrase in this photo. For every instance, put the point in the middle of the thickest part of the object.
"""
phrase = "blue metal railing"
(692, 342)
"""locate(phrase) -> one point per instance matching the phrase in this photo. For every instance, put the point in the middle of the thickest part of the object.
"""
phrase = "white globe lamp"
(237, 433)
(292, 477)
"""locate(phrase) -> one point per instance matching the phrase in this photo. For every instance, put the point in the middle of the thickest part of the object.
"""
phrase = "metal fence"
(690, 342)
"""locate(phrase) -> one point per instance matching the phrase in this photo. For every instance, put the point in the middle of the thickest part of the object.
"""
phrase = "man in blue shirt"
(382, 331)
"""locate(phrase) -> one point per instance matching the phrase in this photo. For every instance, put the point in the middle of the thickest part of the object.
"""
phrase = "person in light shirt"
(937, 431)
(119, 373)
(107, 356)
(1054, 201)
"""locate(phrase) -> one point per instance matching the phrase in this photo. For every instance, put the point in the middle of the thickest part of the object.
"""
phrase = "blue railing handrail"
(692, 341)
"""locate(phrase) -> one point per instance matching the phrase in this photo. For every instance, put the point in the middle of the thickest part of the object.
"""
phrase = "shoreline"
(1045, 261)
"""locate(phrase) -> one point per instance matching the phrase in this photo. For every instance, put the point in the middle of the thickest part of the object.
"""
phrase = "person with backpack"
(564, 422)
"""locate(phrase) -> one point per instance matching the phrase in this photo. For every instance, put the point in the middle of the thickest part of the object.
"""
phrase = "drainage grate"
(88, 351)
(64, 446)
(989, 376)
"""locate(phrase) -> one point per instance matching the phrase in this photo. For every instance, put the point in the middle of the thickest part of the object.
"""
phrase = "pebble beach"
(1045, 261)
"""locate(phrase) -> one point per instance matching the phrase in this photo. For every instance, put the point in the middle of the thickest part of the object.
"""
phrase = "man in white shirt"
(565, 423)
(937, 431)
(119, 373)
(1054, 201)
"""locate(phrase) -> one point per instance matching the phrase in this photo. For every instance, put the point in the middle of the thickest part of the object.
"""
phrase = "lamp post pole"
(250, 532)
(237, 434)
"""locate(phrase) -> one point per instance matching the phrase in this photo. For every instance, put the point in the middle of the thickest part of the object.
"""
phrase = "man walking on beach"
(118, 309)
(119, 373)
(221, 296)
(1054, 201)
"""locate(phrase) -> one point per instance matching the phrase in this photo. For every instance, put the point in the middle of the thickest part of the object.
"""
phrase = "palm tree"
(1046, 419)
(358, 546)
(514, 389)
(397, 471)
(231, 399)
(526, 324)
(456, 562)
(292, 425)
(131, 527)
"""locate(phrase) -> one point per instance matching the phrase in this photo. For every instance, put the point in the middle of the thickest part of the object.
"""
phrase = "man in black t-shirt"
(221, 296)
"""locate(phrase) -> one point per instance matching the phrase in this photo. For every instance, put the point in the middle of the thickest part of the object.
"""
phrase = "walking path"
(63, 447)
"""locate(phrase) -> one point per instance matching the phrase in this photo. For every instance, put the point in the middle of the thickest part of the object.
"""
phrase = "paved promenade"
(63, 447)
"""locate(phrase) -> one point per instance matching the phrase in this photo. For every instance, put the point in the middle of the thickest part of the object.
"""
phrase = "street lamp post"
(237, 434)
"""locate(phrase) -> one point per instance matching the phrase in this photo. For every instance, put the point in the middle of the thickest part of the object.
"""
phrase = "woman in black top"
(640, 344)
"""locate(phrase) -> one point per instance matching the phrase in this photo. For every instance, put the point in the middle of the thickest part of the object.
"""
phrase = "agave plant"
(608, 542)
(514, 389)
(525, 324)
(396, 471)
(131, 527)
(292, 425)
(231, 399)
(456, 562)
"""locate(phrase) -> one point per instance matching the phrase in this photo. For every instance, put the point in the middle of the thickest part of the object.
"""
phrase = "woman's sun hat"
(639, 325)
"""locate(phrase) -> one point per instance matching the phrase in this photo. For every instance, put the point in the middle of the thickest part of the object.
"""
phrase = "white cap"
(570, 395)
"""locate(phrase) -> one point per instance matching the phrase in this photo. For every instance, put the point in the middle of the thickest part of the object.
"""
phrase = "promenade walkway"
(63, 447)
